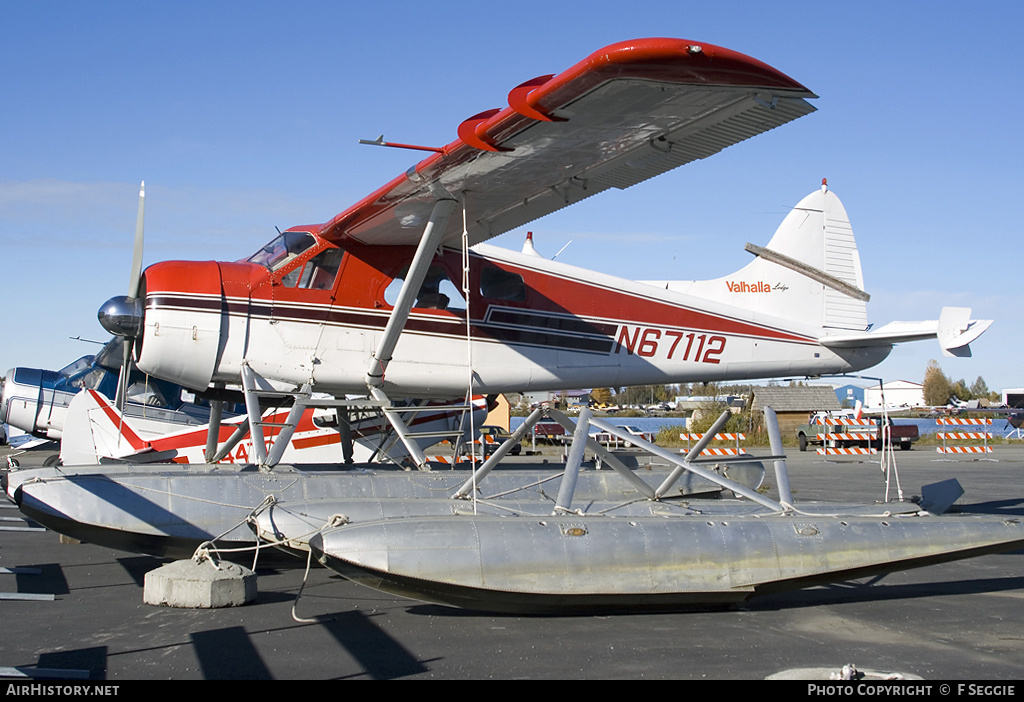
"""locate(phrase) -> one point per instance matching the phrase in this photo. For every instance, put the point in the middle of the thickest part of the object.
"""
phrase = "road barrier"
(737, 451)
(961, 435)
(845, 434)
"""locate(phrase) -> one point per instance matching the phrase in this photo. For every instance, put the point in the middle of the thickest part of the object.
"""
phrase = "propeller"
(123, 315)
(136, 276)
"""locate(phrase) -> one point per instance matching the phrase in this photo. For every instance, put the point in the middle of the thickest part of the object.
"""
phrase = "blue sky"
(243, 116)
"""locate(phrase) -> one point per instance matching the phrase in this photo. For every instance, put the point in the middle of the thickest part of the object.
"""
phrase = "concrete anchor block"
(199, 585)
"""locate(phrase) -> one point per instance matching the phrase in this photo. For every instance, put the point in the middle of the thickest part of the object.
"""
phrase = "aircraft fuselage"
(534, 324)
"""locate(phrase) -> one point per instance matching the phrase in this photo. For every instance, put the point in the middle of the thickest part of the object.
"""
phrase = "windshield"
(111, 354)
(282, 249)
(72, 368)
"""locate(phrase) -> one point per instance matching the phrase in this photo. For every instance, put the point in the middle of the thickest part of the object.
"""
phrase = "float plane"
(399, 296)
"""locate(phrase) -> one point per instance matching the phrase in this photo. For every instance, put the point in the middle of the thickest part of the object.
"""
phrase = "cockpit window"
(282, 249)
(93, 379)
(72, 368)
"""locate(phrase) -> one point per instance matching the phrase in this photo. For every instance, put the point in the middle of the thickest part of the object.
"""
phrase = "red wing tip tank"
(573, 562)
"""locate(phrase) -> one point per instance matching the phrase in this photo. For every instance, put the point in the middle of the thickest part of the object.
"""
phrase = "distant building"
(1014, 397)
(687, 403)
(896, 393)
(849, 395)
(573, 398)
(794, 404)
(501, 415)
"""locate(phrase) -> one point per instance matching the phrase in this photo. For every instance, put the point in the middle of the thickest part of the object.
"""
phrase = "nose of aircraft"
(122, 316)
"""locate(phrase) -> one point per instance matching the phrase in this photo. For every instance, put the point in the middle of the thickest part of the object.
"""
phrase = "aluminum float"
(700, 555)
(170, 510)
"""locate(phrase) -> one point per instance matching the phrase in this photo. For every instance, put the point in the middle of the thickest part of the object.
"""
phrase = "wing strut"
(428, 246)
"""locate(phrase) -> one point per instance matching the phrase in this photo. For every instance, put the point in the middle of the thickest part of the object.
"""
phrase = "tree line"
(940, 390)
(654, 394)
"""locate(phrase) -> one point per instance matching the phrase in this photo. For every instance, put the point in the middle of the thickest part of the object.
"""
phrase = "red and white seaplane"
(398, 296)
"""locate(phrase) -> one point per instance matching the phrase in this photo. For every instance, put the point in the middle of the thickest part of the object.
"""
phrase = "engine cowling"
(183, 318)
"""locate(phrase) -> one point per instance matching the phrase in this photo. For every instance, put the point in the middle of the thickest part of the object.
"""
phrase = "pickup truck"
(552, 432)
(903, 435)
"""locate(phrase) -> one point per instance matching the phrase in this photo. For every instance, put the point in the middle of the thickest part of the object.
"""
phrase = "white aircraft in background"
(161, 421)
(36, 400)
(96, 432)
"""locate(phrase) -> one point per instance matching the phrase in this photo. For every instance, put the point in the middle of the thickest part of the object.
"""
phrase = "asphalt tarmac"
(76, 612)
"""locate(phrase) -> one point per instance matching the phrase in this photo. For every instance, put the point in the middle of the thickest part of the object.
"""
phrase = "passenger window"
(437, 292)
(498, 284)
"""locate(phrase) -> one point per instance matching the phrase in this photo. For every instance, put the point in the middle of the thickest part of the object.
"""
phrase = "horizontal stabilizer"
(954, 330)
(26, 441)
(957, 330)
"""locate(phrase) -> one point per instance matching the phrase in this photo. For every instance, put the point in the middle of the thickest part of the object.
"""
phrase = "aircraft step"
(428, 408)
(432, 434)
(360, 403)
(278, 425)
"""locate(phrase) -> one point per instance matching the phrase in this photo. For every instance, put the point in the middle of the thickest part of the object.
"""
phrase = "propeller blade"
(136, 276)
(133, 292)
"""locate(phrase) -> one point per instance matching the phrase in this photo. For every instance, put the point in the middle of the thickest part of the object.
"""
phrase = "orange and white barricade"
(736, 451)
(845, 429)
(962, 435)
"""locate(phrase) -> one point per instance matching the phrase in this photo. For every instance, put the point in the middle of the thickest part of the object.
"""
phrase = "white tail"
(95, 431)
(809, 272)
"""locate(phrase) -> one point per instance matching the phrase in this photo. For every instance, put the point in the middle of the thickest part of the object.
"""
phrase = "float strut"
(500, 453)
(573, 461)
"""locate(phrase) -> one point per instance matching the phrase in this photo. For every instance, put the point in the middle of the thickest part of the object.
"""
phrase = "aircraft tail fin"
(95, 432)
(809, 275)
(809, 272)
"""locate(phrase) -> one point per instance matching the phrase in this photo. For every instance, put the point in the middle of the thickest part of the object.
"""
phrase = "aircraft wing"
(626, 113)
